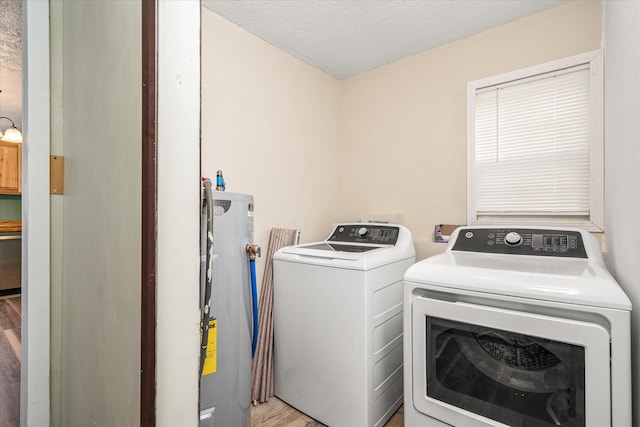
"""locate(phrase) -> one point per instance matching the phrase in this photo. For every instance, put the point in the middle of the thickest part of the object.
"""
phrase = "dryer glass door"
(487, 366)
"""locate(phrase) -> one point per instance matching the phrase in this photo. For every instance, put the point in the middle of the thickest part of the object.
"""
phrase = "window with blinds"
(532, 146)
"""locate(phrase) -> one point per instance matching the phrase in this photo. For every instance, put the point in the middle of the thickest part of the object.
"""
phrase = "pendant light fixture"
(12, 134)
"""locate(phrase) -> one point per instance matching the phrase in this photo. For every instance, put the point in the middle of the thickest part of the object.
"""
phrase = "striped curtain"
(262, 370)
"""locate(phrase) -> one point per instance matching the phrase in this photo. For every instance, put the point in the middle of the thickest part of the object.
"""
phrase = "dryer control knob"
(362, 231)
(513, 239)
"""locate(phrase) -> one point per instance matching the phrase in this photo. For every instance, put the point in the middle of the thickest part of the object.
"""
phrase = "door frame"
(36, 306)
(166, 308)
(149, 241)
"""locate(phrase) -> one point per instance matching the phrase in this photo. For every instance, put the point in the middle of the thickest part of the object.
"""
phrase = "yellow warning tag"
(212, 345)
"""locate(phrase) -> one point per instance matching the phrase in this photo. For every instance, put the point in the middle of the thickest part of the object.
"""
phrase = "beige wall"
(271, 123)
(406, 122)
(97, 380)
(314, 150)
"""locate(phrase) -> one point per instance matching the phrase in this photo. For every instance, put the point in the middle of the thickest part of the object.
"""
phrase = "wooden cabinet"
(10, 168)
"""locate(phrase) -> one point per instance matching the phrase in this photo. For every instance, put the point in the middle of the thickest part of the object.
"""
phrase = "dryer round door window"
(514, 368)
(519, 378)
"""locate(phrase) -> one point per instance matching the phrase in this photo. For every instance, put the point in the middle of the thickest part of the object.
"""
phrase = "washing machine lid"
(358, 246)
(337, 247)
(566, 279)
(349, 252)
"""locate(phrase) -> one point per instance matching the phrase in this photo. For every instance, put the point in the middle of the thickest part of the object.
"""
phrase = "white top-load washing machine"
(338, 324)
(516, 326)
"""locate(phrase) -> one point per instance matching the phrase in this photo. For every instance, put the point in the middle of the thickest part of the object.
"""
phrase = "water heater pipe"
(252, 251)
(220, 185)
(207, 263)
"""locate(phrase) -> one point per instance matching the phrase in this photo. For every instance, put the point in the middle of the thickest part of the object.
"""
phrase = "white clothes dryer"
(338, 324)
(516, 326)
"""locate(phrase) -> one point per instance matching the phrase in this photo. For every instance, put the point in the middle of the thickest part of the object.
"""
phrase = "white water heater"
(225, 383)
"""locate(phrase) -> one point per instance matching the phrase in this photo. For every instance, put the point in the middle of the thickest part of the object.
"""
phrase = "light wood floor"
(10, 354)
(276, 413)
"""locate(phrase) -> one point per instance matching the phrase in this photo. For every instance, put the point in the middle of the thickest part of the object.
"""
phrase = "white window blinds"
(532, 139)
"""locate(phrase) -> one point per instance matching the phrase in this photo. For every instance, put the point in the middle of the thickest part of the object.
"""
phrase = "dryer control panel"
(365, 233)
(521, 241)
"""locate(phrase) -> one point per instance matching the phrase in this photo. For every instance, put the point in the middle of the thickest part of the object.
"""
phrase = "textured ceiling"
(10, 34)
(11, 62)
(347, 37)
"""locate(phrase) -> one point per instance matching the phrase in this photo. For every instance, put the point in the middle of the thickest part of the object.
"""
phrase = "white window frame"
(596, 209)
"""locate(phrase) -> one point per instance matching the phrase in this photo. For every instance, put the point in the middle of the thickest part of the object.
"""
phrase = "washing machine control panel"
(521, 241)
(366, 233)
